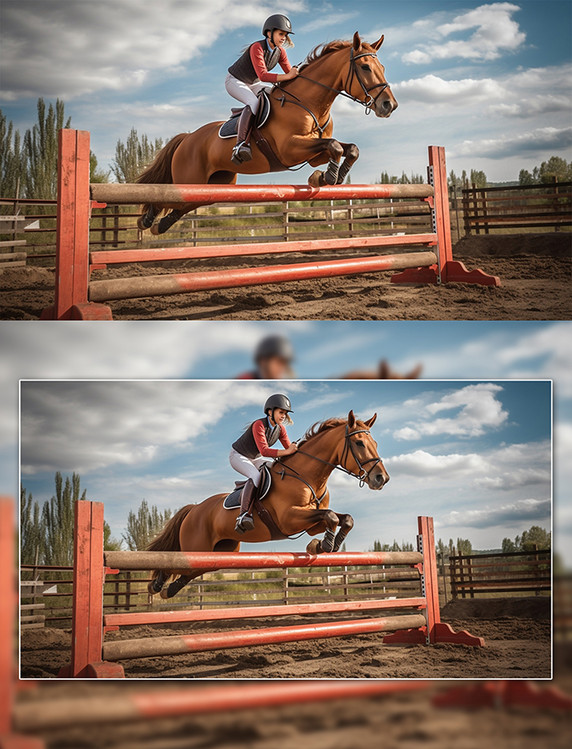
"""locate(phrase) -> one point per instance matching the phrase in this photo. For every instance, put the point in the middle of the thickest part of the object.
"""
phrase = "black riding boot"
(245, 521)
(241, 152)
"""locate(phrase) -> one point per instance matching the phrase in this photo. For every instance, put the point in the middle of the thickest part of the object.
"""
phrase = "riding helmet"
(277, 21)
(278, 401)
(274, 345)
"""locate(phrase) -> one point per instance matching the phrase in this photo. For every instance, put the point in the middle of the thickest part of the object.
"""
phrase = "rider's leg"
(248, 468)
(247, 95)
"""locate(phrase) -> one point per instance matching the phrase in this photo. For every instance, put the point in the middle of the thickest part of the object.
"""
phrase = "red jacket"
(259, 65)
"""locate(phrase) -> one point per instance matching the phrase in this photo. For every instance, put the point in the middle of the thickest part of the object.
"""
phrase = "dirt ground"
(534, 270)
(516, 632)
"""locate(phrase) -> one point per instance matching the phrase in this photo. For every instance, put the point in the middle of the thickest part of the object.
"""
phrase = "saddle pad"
(232, 500)
(230, 127)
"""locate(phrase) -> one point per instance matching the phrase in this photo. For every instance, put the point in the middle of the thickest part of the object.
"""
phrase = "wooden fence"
(517, 207)
(46, 596)
(490, 574)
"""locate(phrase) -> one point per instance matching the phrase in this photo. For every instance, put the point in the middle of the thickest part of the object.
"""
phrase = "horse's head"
(359, 454)
(366, 78)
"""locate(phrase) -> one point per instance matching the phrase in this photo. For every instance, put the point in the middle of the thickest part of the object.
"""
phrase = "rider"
(273, 358)
(254, 448)
(247, 75)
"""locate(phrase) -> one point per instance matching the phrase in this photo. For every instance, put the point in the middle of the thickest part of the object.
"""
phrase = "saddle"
(229, 128)
(232, 500)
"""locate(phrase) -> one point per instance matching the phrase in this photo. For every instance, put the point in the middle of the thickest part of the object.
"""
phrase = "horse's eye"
(366, 67)
(359, 443)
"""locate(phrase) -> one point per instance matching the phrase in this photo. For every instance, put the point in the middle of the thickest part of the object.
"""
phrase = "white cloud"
(510, 144)
(523, 511)
(478, 410)
(495, 33)
(110, 45)
(325, 18)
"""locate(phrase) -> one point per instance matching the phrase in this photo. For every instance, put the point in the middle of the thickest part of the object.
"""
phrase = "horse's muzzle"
(385, 106)
(377, 480)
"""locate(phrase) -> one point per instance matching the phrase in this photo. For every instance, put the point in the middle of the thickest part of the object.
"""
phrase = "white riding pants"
(244, 92)
(246, 466)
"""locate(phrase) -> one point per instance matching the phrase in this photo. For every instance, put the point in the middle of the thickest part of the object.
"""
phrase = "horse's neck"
(320, 97)
(324, 447)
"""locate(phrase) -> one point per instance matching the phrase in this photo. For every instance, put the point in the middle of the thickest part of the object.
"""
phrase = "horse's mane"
(321, 50)
(322, 426)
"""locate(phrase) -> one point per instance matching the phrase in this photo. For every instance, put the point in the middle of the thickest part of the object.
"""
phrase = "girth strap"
(275, 164)
(275, 532)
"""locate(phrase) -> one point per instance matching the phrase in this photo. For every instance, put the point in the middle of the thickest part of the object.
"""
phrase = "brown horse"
(298, 500)
(299, 129)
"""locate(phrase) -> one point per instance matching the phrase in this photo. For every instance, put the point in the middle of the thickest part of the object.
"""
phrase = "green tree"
(144, 525)
(58, 520)
(12, 163)
(508, 546)
(41, 150)
(525, 177)
(555, 169)
(96, 174)
(535, 538)
(464, 546)
(32, 546)
(133, 156)
(478, 178)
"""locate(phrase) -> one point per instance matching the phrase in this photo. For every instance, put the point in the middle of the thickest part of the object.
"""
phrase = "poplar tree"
(41, 150)
(133, 156)
(144, 525)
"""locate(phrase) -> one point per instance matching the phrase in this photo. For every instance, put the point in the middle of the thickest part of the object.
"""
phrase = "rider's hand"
(293, 73)
(292, 449)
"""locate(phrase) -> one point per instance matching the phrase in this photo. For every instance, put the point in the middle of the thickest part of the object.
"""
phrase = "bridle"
(353, 72)
(363, 475)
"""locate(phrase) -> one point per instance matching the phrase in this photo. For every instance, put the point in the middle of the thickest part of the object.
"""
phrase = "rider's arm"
(284, 439)
(257, 59)
(260, 438)
(284, 62)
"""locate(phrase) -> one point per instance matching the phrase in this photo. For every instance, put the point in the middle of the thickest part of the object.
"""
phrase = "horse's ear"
(351, 420)
(357, 42)
(371, 421)
(415, 374)
(377, 45)
(383, 372)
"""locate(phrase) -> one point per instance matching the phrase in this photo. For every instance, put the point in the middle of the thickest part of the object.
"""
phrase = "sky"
(476, 455)
(222, 350)
(489, 81)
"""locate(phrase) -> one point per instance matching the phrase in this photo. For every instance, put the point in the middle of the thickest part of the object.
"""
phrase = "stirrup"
(244, 522)
(241, 152)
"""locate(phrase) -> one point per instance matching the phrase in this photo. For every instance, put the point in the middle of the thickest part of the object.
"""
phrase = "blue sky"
(490, 81)
(476, 455)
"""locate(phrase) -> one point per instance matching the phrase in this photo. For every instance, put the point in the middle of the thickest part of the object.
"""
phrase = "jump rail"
(91, 656)
(79, 298)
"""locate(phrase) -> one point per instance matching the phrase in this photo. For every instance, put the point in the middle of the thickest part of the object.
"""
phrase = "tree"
(41, 150)
(133, 156)
(525, 177)
(478, 178)
(144, 526)
(31, 530)
(555, 169)
(12, 167)
(536, 538)
(95, 174)
(508, 546)
(58, 520)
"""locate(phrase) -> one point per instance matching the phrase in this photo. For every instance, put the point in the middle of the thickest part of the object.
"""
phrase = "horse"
(298, 500)
(299, 129)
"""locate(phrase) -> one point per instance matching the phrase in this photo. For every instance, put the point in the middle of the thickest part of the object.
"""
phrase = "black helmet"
(277, 21)
(274, 345)
(278, 401)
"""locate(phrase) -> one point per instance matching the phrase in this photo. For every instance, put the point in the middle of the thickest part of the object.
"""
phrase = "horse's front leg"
(346, 524)
(351, 155)
(333, 151)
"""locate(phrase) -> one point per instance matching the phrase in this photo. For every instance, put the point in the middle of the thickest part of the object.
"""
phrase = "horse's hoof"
(316, 179)
(155, 229)
(151, 590)
(314, 547)
(164, 593)
(141, 224)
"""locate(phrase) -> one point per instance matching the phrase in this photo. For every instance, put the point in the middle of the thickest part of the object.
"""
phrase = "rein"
(353, 72)
(362, 476)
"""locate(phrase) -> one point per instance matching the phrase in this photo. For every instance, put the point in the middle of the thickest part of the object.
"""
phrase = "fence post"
(466, 212)
(285, 573)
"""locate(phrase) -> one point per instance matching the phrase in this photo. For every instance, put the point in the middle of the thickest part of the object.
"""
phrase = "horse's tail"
(168, 539)
(159, 170)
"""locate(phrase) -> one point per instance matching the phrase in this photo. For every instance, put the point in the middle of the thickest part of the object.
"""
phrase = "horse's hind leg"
(156, 585)
(146, 220)
(166, 222)
(177, 585)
